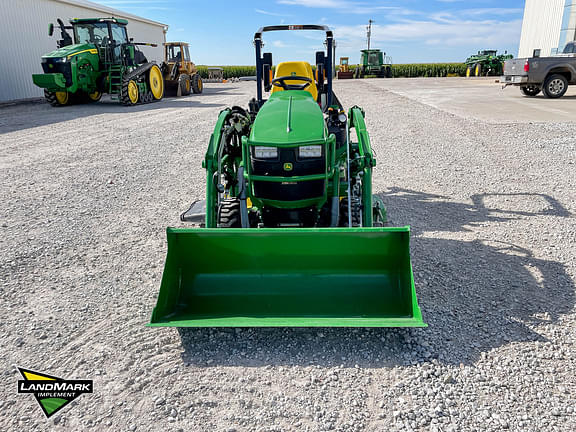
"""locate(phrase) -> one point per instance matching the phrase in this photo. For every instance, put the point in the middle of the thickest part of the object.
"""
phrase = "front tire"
(58, 99)
(197, 84)
(229, 214)
(530, 91)
(184, 83)
(478, 70)
(555, 86)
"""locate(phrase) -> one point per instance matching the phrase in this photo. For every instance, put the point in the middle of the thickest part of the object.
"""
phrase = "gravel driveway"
(87, 191)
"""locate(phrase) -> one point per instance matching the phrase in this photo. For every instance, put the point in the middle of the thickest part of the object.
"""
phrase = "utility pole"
(369, 31)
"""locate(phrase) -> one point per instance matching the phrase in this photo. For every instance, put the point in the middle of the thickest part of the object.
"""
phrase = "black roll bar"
(327, 65)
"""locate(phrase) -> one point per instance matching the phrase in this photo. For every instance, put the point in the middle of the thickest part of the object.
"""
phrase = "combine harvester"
(292, 235)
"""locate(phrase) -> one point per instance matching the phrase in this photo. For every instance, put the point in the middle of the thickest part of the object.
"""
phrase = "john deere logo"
(51, 393)
(288, 166)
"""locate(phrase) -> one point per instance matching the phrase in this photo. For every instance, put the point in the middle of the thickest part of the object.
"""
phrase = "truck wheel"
(555, 86)
(229, 214)
(184, 83)
(478, 70)
(197, 84)
(530, 91)
(468, 71)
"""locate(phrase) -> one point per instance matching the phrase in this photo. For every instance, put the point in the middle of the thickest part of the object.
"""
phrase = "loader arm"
(363, 160)
(211, 165)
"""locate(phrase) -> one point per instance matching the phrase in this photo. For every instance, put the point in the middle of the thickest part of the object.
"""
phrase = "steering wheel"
(97, 40)
(281, 82)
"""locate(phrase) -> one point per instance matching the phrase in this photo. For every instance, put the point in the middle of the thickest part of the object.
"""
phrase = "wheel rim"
(468, 73)
(478, 70)
(556, 86)
(62, 97)
(187, 85)
(200, 84)
(156, 82)
(133, 92)
(95, 96)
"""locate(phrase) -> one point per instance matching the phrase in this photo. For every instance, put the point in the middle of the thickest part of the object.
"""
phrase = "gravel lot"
(87, 191)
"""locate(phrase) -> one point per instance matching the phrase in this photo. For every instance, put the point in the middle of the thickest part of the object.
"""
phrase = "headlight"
(60, 60)
(314, 151)
(261, 152)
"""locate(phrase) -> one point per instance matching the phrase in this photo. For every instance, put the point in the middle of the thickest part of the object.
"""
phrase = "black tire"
(356, 212)
(530, 91)
(555, 86)
(229, 214)
(51, 98)
(389, 72)
(477, 70)
(184, 84)
(73, 98)
(197, 84)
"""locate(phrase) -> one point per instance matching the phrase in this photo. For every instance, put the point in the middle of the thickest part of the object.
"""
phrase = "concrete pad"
(483, 99)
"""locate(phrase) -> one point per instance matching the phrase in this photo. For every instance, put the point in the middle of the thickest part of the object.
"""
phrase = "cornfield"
(229, 71)
(398, 70)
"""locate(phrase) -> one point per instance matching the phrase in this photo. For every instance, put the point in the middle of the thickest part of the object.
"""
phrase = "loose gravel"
(86, 192)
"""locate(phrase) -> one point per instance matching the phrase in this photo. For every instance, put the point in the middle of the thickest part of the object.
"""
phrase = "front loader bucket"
(334, 277)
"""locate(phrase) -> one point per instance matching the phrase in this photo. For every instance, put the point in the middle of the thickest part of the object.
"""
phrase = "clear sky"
(411, 31)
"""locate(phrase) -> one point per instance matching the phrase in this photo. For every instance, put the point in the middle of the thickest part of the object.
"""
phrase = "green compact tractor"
(98, 58)
(374, 63)
(289, 233)
(486, 63)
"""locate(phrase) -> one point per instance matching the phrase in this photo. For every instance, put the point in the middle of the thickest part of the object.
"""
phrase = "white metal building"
(548, 25)
(24, 36)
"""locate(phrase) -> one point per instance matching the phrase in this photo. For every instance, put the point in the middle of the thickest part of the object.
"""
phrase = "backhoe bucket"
(331, 277)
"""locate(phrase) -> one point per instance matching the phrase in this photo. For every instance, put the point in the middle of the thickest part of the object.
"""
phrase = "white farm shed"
(24, 36)
(548, 26)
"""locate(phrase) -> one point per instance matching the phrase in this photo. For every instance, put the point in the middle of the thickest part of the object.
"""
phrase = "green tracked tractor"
(289, 233)
(486, 63)
(98, 58)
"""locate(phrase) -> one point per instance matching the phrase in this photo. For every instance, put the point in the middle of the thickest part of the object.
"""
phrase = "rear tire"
(229, 213)
(197, 84)
(555, 86)
(530, 91)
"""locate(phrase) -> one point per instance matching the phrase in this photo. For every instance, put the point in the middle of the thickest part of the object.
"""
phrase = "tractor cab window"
(119, 34)
(94, 33)
(373, 59)
(186, 53)
(174, 53)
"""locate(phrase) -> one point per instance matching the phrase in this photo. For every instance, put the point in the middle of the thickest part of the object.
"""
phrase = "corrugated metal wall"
(24, 36)
(541, 26)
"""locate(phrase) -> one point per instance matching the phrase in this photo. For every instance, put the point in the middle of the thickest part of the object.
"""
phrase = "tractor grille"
(51, 66)
(288, 191)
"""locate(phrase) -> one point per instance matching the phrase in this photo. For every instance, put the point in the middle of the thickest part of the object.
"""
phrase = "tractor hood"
(290, 116)
(71, 50)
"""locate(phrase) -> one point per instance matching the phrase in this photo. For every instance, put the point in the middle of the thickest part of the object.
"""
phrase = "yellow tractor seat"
(297, 68)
